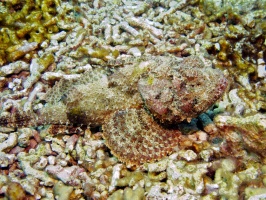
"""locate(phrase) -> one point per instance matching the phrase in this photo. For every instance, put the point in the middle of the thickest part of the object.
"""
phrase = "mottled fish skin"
(132, 104)
(181, 93)
(135, 138)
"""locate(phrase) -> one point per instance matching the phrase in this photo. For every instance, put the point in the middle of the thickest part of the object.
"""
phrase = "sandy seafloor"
(222, 156)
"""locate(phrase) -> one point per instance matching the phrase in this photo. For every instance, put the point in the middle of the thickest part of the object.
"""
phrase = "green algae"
(100, 53)
(46, 60)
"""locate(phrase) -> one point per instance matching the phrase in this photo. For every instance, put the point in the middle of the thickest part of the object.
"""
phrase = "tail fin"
(16, 119)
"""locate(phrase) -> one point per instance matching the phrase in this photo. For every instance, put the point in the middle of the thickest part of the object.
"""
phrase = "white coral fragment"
(261, 67)
(14, 68)
(29, 170)
(6, 159)
(115, 176)
(133, 21)
(158, 166)
(188, 155)
(10, 142)
(68, 175)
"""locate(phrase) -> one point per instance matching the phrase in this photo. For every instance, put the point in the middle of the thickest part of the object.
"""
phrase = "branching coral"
(26, 20)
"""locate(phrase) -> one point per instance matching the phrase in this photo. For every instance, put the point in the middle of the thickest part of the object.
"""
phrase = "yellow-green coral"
(46, 60)
(238, 65)
(15, 191)
(97, 52)
(29, 20)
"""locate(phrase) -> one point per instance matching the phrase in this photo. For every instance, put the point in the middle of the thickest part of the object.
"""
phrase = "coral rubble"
(121, 99)
(252, 129)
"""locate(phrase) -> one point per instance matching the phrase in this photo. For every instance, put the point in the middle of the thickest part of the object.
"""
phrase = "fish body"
(133, 104)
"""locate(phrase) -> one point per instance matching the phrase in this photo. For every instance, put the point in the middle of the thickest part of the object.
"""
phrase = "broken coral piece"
(251, 128)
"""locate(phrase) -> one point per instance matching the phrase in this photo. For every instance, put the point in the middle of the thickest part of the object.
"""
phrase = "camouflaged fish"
(135, 105)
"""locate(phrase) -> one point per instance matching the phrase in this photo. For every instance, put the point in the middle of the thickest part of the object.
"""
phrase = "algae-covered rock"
(252, 129)
(128, 194)
(117, 195)
(136, 194)
(15, 191)
(61, 191)
(255, 193)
